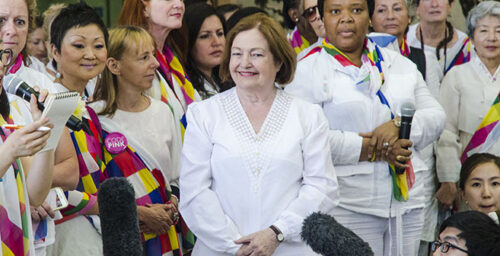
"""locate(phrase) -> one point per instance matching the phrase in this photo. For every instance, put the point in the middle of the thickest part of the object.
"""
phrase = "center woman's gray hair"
(483, 9)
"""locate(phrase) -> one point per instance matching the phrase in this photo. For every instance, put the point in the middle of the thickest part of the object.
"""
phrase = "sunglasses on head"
(310, 13)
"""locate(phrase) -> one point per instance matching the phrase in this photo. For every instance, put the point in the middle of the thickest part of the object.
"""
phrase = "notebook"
(58, 108)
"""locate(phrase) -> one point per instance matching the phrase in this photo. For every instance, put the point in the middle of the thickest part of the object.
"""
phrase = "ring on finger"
(399, 157)
(385, 144)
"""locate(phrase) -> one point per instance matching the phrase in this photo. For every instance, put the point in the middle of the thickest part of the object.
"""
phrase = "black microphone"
(14, 85)
(329, 238)
(407, 112)
(118, 213)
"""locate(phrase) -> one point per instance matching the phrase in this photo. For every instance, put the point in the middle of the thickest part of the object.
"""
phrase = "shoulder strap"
(417, 56)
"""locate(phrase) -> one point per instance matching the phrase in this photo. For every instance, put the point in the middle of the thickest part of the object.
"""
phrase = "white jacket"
(366, 187)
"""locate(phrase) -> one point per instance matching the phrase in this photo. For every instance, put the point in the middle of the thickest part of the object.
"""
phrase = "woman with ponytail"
(436, 35)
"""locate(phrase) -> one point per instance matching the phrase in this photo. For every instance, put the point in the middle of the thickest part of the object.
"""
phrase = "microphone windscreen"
(10, 83)
(118, 213)
(329, 238)
(407, 109)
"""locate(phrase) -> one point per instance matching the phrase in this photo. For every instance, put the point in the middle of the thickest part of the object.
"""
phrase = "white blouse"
(450, 52)
(234, 182)
(467, 93)
(154, 129)
(366, 187)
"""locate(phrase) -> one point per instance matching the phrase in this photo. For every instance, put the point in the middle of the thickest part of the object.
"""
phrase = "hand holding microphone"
(14, 85)
(400, 152)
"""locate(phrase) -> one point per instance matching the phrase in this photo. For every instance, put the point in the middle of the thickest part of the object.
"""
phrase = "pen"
(17, 126)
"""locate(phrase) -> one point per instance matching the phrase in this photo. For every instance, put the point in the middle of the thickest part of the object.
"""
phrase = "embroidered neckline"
(256, 146)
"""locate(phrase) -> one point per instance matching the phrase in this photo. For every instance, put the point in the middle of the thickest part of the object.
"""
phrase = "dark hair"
(474, 161)
(225, 8)
(38, 22)
(480, 232)
(4, 104)
(194, 17)
(191, 2)
(287, 5)
(240, 14)
(370, 3)
(74, 15)
(417, 2)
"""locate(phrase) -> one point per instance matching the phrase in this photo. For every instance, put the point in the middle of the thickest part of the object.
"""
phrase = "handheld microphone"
(407, 112)
(118, 213)
(14, 85)
(329, 238)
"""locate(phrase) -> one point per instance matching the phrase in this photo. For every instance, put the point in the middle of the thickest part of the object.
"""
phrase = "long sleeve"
(175, 151)
(199, 205)
(449, 145)
(319, 186)
(429, 119)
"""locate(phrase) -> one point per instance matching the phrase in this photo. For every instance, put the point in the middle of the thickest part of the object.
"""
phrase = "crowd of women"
(235, 131)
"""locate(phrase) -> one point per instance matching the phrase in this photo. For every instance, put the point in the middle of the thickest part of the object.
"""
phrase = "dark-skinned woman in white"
(361, 88)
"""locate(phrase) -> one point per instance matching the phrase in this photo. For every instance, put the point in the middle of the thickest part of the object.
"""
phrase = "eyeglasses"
(310, 13)
(445, 247)
(6, 56)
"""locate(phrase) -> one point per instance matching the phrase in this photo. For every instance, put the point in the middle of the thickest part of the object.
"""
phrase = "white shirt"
(467, 92)
(451, 52)
(366, 187)
(9, 193)
(234, 182)
(155, 130)
(33, 77)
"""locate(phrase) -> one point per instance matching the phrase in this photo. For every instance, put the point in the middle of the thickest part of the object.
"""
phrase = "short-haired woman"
(255, 158)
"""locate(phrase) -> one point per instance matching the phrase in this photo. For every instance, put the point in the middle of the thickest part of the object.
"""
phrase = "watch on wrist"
(279, 235)
(397, 122)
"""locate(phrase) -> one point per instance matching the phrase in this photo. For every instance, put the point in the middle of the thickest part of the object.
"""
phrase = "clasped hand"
(261, 243)
(382, 144)
(156, 218)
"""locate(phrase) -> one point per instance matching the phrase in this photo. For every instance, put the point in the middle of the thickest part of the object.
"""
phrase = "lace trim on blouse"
(256, 148)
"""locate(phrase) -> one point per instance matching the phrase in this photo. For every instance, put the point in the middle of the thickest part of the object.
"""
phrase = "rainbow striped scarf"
(297, 41)
(405, 49)
(401, 183)
(486, 134)
(463, 55)
(14, 215)
(171, 66)
(97, 164)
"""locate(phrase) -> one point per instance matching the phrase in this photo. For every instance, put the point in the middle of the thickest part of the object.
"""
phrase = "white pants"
(375, 231)
(76, 237)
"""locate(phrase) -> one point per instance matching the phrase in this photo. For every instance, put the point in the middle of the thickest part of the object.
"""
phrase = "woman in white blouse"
(361, 88)
(256, 161)
(467, 93)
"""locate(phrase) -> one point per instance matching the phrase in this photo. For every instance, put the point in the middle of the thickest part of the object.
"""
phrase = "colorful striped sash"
(171, 66)
(149, 185)
(297, 41)
(486, 134)
(401, 183)
(463, 55)
(405, 49)
(14, 218)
